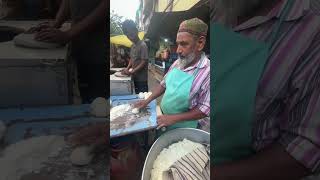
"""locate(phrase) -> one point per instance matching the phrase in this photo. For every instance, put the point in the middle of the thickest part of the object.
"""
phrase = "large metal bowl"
(173, 136)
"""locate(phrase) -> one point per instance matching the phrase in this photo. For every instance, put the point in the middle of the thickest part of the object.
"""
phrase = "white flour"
(28, 155)
(119, 111)
(168, 156)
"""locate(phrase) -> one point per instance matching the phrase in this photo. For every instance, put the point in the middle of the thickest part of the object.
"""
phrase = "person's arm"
(140, 66)
(198, 111)
(51, 34)
(156, 92)
(99, 15)
(272, 163)
(129, 64)
(143, 59)
(167, 120)
(63, 14)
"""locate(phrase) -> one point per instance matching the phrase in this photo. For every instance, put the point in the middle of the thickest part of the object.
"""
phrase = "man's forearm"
(129, 64)
(99, 15)
(193, 114)
(139, 67)
(63, 13)
(158, 91)
(272, 163)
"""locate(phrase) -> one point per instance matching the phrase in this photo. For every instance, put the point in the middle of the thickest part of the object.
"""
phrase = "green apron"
(236, 76)
(177, 96)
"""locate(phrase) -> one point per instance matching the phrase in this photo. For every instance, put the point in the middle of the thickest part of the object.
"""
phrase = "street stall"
(41, 73)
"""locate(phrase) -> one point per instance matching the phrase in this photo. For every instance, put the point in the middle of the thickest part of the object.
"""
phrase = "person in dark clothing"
(88, 46)
(138, 57)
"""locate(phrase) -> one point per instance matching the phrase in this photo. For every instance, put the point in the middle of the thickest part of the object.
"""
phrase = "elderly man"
(186, 86)
(267, 89)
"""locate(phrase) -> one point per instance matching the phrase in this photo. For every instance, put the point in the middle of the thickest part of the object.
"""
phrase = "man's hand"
(141, 104)
(165, 120)
(93, 135)
(41, 26)
(53, 35)
(126, 72)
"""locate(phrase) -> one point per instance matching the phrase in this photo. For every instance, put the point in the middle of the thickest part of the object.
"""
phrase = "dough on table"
(81, 155)
(27, 40)
(119, 74)
(141, 95)
(135, 110)
(100, 107)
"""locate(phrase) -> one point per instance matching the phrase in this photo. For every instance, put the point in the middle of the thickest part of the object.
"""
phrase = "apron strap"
(276, 31)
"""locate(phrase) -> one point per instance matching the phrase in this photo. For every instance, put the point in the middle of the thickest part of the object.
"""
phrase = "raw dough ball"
(27, 40)
(100, 107)
(147, 95)
(135, 110)
(130, 70)
(3, 130)
(141, 95)
(81, 156)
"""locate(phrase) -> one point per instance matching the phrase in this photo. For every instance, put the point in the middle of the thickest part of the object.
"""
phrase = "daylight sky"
(125, 8)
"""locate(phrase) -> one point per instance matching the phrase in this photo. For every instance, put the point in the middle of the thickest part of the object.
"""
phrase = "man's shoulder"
(142, 44)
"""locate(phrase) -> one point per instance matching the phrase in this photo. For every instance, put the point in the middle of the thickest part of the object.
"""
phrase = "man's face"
(131, 35)
(188, 47)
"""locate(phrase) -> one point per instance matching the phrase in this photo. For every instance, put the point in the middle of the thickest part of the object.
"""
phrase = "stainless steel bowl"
(173, 136)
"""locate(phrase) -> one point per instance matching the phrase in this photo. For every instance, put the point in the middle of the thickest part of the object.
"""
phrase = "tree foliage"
(115, 24)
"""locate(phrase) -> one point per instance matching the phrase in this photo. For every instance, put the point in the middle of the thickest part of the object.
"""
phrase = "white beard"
(185, 61)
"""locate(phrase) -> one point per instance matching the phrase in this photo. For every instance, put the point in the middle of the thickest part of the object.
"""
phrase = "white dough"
(119, 74)
(141, 95)
(147, 95)
(135, 110)
(27, 40)
(100, 107)
(81, 155)
(29, 155)
(130, 70)
(119, 111)
(168, 156)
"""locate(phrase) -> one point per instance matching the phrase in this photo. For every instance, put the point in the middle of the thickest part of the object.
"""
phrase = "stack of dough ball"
(144, 95)
(3, 130)
(81, 155)
(147, 95)
(100, 107)
(135, 110)
(141, 95)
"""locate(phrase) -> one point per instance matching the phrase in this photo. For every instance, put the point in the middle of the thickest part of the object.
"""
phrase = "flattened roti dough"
(27, 40)
(81, 155)
(119, 74)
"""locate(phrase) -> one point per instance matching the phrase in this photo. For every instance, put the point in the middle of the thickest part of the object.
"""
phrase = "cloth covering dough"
(27, 40)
